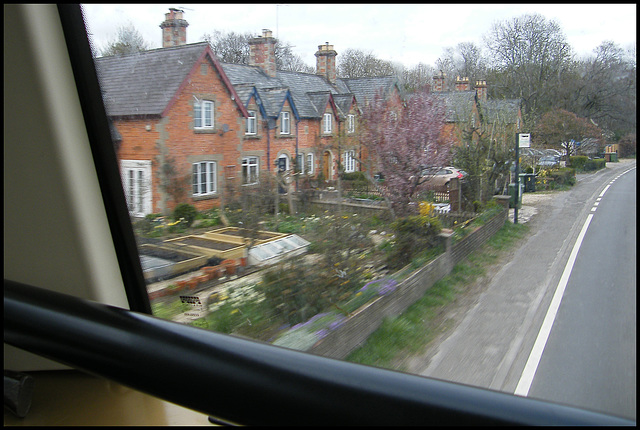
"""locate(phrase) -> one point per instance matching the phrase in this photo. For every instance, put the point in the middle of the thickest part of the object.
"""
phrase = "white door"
(136, 181)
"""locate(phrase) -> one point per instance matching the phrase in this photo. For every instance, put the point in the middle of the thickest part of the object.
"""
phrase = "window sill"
(205, 130)
(204, 197)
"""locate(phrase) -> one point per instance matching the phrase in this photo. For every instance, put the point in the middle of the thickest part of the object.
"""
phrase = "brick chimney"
(481, 90)
(263, 53)
(438, 82)
(174, 29)
(462, 84)
(326, 62)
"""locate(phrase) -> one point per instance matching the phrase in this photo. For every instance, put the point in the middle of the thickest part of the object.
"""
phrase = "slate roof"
(365, 89)
(459, 104)
(306, 87)
(144, 83)
(506, 110)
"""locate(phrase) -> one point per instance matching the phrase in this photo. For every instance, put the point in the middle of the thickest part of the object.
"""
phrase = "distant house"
(469, 107)
(187, 125)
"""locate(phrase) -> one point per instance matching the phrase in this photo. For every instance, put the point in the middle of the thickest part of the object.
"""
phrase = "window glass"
(285, 124)
(251, 122)
(203, 114)
(204, 174)
(327, 123)
(351, 123)
(349, 161)
(249, 170)
(309, 164)
(292, 255)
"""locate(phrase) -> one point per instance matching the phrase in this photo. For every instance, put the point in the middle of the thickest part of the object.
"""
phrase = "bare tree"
(355, 63)
(605, 89)
(232, 47)
(127, 41)
(417, 78)
(528, 54)
(465, 60)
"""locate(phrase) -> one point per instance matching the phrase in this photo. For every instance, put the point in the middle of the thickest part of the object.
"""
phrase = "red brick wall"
(173, 138)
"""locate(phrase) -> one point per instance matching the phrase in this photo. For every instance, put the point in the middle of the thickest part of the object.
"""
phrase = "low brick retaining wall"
(341, 341)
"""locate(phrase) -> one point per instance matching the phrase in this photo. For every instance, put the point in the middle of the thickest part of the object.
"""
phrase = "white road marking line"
(543, 335)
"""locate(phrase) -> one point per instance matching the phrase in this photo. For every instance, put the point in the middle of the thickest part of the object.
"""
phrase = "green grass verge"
(410, 332)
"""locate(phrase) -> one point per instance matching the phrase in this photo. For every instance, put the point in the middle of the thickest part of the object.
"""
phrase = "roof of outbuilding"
(459, 104)
(503, 110)
(365, 89)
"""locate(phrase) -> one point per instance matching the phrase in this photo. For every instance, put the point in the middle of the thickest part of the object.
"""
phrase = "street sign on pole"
(524, 140)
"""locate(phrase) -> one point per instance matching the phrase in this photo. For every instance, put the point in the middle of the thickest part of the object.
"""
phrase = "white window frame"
(203, 114)
(252, 123)
(284, 157)
(309, 163)
(327, 126)
(136, 182)
(351, 123)
(349, 161)
(204, 179)
(250, 170)
(285, 123)
(300, 162)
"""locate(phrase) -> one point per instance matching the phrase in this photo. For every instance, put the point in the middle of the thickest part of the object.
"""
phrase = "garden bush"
(578, 161)
(564, 176)
(595, 164)
(185, 211)
(413, 235)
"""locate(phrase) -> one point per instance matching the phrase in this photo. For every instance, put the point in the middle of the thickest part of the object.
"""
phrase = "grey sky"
(406, 33)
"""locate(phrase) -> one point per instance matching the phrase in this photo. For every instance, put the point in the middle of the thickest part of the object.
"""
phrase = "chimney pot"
(263, 52)
(326, 62)
(174, 28)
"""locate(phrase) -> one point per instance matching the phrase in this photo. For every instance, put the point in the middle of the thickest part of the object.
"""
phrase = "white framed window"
(326, 128)
(250, 170)
(350, 161)
(285, 123)
(251, 122)
(136, 182)
(283, 163)
(203, 114)
(204, 178)
(351, 123)
(309, 164)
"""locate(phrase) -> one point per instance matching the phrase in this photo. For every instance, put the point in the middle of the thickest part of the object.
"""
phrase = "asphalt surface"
(491, 341)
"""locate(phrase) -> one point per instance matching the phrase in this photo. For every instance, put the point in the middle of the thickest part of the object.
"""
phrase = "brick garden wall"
(354, 332)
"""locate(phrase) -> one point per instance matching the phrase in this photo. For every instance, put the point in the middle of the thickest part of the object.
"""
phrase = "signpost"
(523, 140)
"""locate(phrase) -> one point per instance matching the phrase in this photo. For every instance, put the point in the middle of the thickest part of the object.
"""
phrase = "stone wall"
(354, 332)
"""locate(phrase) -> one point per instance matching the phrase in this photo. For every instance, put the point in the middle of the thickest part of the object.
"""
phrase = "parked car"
(441, 177)
(548, 161)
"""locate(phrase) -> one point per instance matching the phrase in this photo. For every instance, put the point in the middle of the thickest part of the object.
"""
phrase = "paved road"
(589, 358)
(492, 343)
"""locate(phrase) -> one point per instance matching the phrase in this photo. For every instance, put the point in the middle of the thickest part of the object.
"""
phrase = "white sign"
(524, 140)
(197, 307)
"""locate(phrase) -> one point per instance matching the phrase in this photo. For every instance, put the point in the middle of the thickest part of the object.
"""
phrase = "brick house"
(307, 122)
(179, 120)
(469, 107)
(187, 126)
